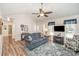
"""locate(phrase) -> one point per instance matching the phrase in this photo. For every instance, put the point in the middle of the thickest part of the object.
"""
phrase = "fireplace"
(58, 39)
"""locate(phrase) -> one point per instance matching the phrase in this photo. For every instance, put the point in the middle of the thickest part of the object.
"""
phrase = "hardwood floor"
(13, 48)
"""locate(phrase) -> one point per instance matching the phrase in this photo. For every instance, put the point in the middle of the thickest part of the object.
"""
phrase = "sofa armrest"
(46, 37)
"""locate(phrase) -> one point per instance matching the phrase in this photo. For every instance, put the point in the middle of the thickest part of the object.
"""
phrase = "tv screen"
(59, 28)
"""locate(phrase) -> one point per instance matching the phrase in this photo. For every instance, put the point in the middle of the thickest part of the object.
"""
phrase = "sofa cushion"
(35, 41)
(37, 44)
(35, 36)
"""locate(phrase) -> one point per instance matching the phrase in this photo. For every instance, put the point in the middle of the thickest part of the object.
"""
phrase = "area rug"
(51, 49)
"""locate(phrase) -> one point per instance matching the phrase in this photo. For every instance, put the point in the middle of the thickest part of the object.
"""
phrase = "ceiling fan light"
(41, 14)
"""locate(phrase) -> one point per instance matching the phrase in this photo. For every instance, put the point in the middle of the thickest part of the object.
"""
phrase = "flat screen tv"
(59, 28)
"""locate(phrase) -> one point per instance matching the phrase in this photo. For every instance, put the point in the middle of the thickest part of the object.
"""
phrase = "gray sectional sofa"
(35, 40)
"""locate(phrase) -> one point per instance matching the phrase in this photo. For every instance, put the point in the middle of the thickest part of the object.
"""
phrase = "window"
(70, 21)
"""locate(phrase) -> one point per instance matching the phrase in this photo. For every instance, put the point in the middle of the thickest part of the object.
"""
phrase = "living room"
(46, 34)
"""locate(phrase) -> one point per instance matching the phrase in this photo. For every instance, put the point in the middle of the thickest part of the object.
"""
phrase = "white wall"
(60, 21)
(27, 20)
(0, 12)
(0, 40)
(19, 19)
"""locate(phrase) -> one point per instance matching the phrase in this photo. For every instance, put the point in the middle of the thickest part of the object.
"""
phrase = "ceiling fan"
(42, 12)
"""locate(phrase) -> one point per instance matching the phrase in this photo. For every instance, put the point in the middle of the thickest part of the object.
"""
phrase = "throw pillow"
(30, 38)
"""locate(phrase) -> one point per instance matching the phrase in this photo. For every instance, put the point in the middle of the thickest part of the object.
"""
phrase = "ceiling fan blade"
(48, 12)
(46, 15)
(38, 16)
(35, 13)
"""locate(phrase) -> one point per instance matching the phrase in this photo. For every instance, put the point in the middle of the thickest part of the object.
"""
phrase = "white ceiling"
(59, 9)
